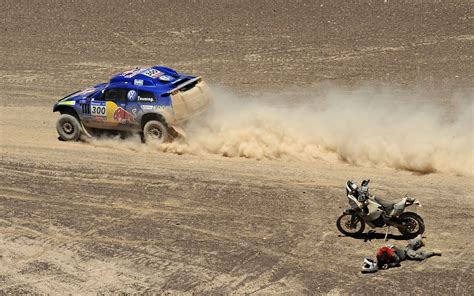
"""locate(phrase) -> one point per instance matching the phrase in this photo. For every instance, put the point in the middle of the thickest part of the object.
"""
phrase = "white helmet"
(369, 266)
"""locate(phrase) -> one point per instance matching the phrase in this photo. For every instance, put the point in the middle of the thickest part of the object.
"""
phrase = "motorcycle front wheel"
(411, 225)
(350, 224)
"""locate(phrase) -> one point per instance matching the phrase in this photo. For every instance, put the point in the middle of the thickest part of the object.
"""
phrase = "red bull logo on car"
(123, 116)
(117, 114)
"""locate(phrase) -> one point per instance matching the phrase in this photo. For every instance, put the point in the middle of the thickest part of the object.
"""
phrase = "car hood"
(83, 94)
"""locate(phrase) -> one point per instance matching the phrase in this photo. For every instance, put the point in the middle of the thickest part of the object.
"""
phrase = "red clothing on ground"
(387, 250)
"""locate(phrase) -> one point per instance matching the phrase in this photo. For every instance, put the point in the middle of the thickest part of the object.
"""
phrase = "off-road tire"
(410, 218)
(68, 127)
(155, 131)
(343, 230)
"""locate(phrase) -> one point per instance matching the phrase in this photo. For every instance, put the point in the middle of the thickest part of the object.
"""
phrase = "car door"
(117, 112)
(108, 110)
(133, 107)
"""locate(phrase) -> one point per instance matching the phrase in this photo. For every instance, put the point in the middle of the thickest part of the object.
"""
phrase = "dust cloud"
(378, 127)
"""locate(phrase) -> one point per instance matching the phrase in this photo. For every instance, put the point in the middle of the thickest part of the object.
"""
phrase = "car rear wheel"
(68, 127)
(155, 131)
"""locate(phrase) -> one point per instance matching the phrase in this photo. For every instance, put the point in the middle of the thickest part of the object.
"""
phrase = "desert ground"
(84, 219)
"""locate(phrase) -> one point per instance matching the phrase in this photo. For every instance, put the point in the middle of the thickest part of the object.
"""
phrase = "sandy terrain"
(124, 217)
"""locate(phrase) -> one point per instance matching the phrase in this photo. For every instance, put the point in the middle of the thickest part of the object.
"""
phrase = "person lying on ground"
(391, 256)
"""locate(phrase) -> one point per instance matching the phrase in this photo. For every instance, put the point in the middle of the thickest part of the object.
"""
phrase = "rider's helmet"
(369, 265)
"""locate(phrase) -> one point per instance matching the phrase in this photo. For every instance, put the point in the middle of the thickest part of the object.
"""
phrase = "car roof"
(153, 76)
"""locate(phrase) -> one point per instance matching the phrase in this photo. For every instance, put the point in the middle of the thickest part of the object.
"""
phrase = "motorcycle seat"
(387, 205)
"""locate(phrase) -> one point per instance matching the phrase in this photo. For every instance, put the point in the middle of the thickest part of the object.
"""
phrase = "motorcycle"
(376, 212)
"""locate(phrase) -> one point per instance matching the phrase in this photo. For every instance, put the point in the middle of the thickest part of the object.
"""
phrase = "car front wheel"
(68, 127)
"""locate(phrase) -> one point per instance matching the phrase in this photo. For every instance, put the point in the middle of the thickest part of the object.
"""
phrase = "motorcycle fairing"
(374, 211)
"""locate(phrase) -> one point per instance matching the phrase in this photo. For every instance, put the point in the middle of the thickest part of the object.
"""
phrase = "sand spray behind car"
(369, 126)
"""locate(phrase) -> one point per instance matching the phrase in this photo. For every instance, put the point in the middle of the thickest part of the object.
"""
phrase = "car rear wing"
(181, 86)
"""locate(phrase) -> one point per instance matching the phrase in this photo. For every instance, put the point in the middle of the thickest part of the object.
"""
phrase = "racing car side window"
(145, 97)
(116, 94)
(100, 97)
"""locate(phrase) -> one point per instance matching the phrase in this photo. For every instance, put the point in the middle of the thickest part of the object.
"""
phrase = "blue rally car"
(154, 101)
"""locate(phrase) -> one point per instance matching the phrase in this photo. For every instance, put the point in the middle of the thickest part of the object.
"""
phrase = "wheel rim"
(410, 225)
(155, 133)
(349, 226)
(68, 128)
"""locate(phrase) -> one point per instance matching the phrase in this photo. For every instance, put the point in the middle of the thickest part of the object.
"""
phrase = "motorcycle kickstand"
(387, 228)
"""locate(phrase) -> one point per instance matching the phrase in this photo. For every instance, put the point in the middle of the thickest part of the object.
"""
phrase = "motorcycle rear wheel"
(412, 225)
(346, 227)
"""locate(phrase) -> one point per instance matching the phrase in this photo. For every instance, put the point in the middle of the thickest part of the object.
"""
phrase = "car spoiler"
(176, 89)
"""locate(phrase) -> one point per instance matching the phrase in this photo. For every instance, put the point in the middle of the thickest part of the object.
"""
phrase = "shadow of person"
(375, 235)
